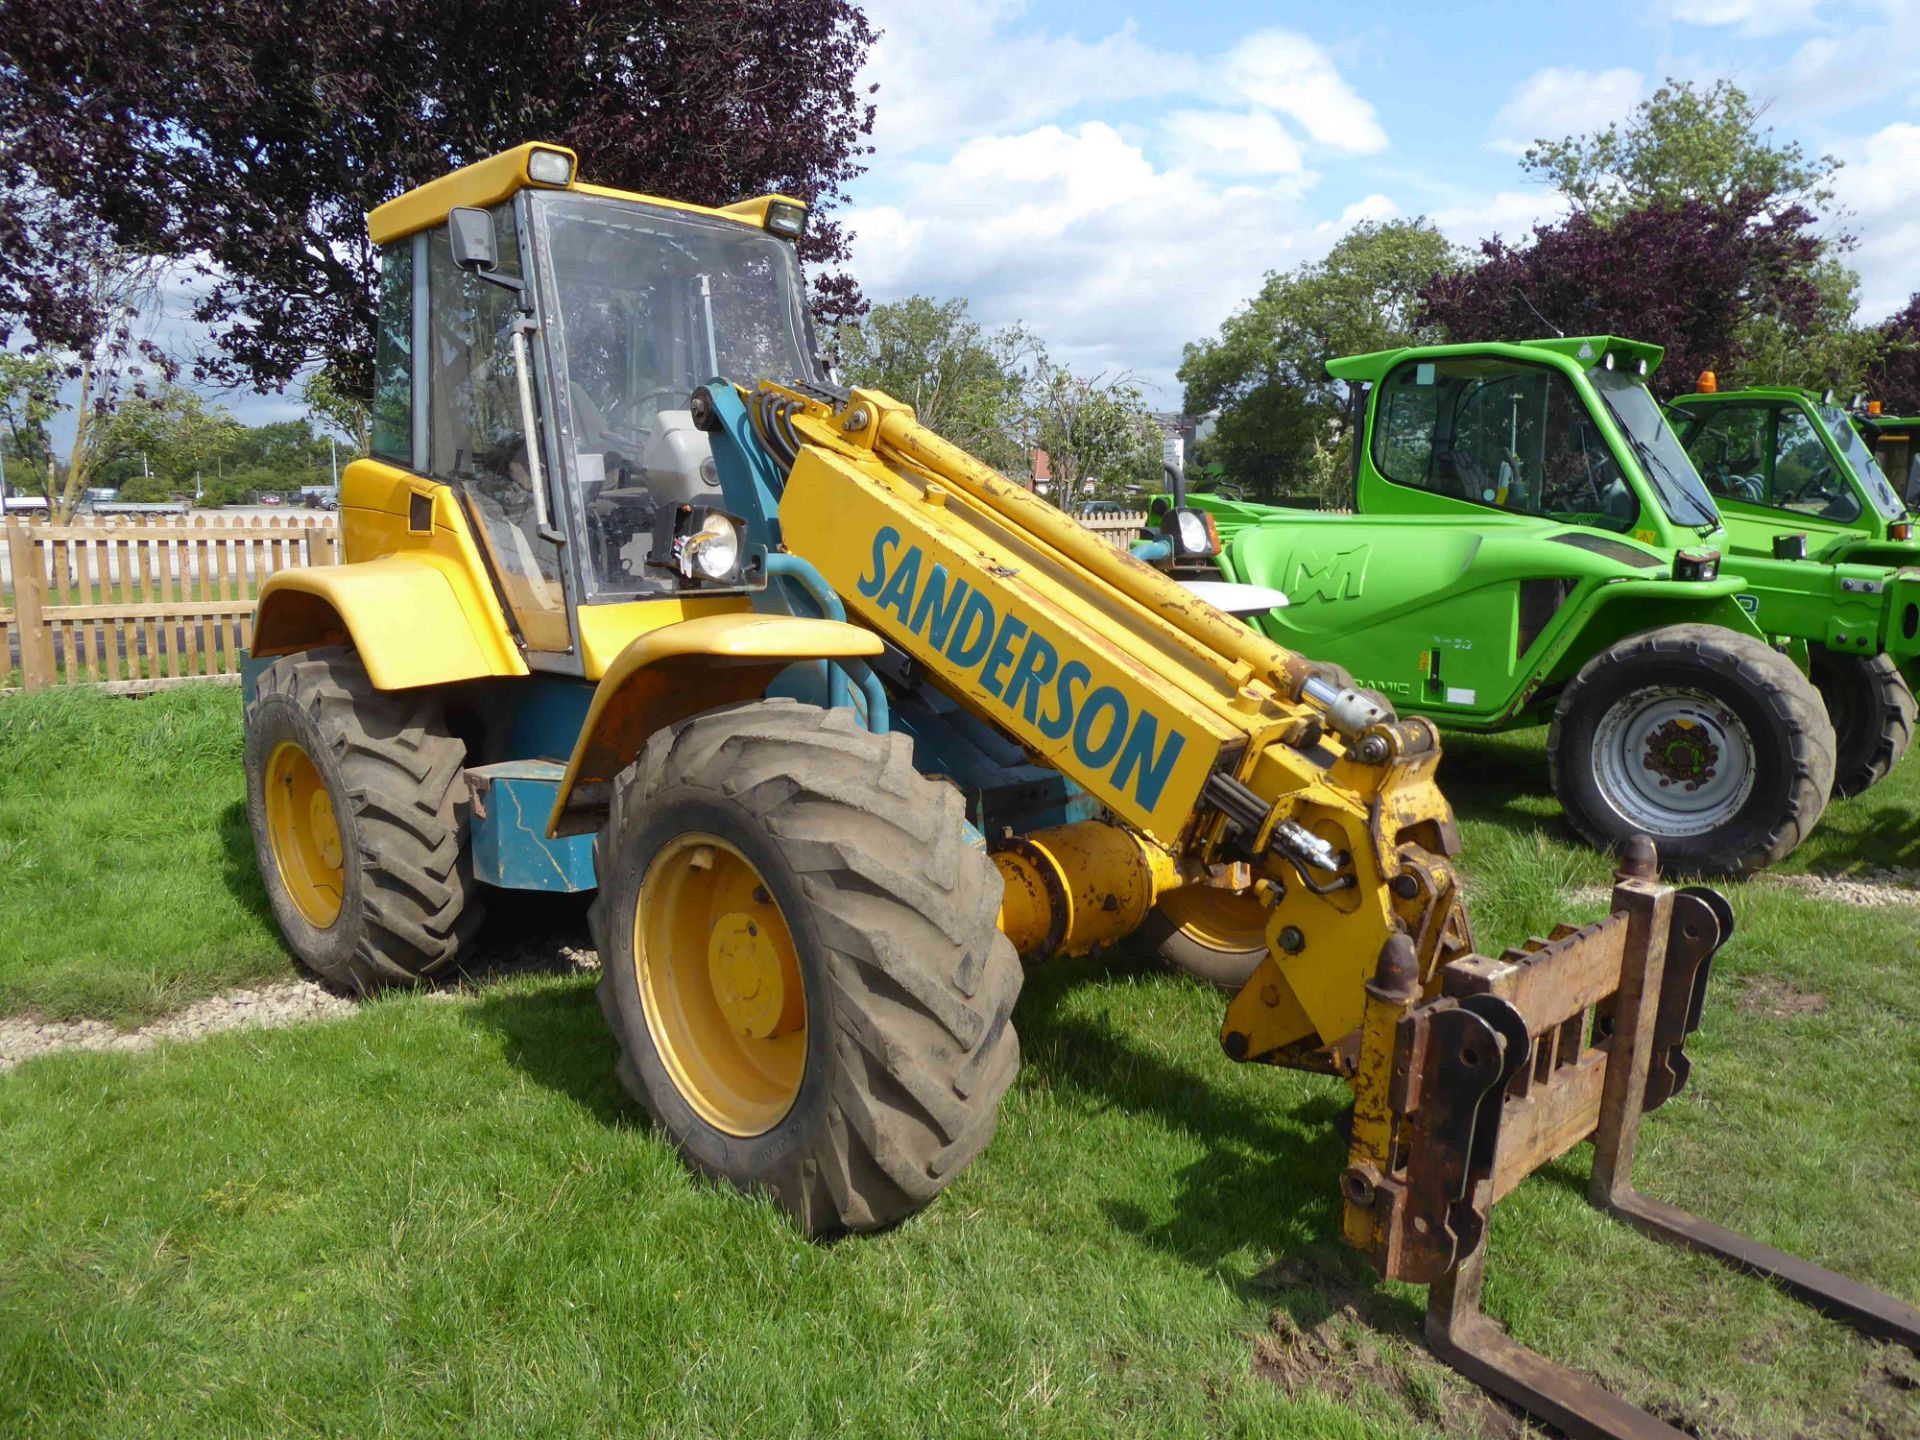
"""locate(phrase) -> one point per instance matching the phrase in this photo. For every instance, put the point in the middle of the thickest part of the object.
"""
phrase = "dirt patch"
(293, 1001)
(1336, 1332)
(284, 1002)
(1870, 888)
(1769, 995)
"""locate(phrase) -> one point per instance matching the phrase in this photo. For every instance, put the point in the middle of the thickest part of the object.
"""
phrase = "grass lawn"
(127, 879)
(441, 1217)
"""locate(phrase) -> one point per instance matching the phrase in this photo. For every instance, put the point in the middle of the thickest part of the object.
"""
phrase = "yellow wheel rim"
(720, 984)
(304, 833)
(1219, 919)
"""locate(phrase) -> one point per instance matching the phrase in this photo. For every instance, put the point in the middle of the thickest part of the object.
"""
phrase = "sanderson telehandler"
(1533, 544)
(844, 727)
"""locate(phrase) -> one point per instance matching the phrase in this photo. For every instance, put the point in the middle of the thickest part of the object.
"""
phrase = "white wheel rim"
(1673, 761)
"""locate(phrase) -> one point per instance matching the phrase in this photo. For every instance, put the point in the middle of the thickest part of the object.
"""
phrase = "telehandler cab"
(843, 727)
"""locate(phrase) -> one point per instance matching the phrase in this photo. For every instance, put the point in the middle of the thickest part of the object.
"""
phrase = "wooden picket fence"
(1117, 529)
(142, 603)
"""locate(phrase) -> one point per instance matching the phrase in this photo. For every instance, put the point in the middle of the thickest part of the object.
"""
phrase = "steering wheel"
(1725, 481)
(621, 412)
(1562, 497)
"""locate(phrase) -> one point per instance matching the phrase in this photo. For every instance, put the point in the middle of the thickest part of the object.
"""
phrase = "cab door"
(477, 433)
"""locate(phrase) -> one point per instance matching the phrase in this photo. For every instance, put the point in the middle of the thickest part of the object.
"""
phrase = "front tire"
(1708, 740)
(1872, 710)
(802, 961)
(353, 795)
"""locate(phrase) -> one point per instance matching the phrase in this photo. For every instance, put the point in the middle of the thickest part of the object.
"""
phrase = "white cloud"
(1750, 17)
(952, 70)
(1374, 208)
(1115, 261)
(1561, 101)
(1510, 214)
(1228, 142)
(1880, 185)
(949, 72)
(1289, 73)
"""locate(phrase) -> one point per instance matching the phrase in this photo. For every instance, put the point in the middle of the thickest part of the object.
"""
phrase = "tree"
(1682, 144)
(1099, 438)
(1280, 415)
(1894, 376)
(350, 415)
(29, 399)
(962, 382)
(108, 365)
(181, 440)
(247, 140)
(1689, 276)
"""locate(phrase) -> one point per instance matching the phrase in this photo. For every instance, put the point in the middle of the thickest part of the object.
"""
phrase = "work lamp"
(785, 217)
(550, 167)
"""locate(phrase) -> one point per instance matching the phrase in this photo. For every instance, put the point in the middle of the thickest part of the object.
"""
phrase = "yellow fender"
(680, 670)
(411, 616)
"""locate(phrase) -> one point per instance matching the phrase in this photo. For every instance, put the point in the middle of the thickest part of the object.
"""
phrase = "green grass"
(127, 880)
(443, 1218)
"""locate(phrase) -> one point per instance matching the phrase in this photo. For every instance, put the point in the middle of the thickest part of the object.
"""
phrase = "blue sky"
(1120, 177)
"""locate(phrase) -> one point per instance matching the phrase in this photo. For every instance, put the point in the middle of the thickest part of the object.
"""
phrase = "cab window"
(1500, 433)
(1772, 455)
(393, 357)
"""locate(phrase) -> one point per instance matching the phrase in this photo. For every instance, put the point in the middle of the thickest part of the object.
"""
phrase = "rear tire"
(893, 921)
(387, 895)
(1872, 709)
(1706, 739)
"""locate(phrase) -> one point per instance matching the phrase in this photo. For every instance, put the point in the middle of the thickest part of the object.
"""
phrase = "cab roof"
(498, 177)
(1754, 392)
(1371, 368)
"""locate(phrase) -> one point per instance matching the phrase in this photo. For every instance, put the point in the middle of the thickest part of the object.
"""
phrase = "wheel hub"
(1673, 761)
(1681, 752)
(720, 984)
(749, 978)
(303, 833)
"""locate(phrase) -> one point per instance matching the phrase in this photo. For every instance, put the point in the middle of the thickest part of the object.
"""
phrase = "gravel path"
(292, 1001)
(284, 1002)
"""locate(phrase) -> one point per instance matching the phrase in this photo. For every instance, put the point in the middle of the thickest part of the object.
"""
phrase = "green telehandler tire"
(1872, 709)
(802, 961)
(1708, 740)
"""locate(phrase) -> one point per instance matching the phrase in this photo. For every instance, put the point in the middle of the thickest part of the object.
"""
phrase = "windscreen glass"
(644, 305)
(1657, 447)
(1873, 480)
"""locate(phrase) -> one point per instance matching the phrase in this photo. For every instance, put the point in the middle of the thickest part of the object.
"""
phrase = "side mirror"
(471, 231)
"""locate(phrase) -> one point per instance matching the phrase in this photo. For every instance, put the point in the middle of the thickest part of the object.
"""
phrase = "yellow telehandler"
(843, 729)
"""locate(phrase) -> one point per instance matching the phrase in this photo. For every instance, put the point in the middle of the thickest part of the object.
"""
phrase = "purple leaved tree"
(1686, 275)
(248, 138)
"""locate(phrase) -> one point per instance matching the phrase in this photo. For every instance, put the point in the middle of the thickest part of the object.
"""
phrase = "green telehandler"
(1794, 479)
(1533, 545)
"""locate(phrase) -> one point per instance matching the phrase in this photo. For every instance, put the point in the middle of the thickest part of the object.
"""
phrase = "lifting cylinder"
(1071, 887)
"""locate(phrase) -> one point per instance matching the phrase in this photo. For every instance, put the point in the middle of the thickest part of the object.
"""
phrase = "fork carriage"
(1564, 1040)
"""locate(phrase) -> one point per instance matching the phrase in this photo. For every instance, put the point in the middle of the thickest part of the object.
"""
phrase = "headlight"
(1193, 534)
(713, 551)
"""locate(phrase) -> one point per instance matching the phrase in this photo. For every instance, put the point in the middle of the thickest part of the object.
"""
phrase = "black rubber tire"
(909, 984)
(409, 905)
(1872, 709)
(1221, 968)
(1782, 712)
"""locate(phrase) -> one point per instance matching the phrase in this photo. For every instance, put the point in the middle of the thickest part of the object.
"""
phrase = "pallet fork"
(1520, 1059)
